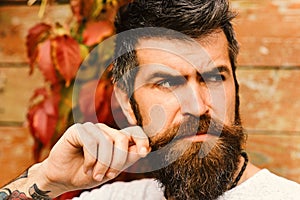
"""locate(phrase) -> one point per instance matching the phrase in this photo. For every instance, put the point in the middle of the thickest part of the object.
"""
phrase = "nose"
(194, 100)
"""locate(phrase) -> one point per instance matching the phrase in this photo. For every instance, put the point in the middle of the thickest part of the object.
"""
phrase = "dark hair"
(194, 18)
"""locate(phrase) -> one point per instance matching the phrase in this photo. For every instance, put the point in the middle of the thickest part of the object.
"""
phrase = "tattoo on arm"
(4, 195)
(15, 195)
(24, 175)
(7, 194)
(38, 194)
(34, 192)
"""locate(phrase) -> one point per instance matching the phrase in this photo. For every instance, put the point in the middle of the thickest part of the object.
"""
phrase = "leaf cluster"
(58, 52)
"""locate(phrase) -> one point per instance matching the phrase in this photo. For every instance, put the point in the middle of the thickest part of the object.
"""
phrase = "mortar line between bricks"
(272, 132)
(248, 67)
(14, 65)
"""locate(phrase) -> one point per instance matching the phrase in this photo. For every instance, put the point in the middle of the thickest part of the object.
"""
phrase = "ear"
(124, 102)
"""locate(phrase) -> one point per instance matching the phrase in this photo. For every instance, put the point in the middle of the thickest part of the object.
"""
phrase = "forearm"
(30, 185)
(80, 160)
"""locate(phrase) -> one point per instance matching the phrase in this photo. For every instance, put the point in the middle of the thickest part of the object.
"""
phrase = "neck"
(250, 171)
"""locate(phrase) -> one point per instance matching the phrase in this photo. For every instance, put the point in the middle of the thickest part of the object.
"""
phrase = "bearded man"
(174, 76)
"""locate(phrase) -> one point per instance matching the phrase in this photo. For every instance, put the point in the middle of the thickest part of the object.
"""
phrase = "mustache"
(192, 126)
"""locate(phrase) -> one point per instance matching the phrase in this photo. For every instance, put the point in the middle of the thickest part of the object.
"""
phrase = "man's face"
(177, 79)
(185, 95)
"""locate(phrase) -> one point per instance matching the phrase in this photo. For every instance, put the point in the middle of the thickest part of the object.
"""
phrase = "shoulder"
(138, 189)
(265, 185)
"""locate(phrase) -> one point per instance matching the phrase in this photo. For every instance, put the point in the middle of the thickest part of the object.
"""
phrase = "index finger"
(139, 138)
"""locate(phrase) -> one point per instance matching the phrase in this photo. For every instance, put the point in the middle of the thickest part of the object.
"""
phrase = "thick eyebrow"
(164, 75)
(167, 75)
(219, 69)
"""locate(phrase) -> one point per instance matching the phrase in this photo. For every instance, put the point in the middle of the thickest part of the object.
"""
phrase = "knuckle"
(122, 138)
(88, 124)
(101, 125)
(109, 140)
(74, 127)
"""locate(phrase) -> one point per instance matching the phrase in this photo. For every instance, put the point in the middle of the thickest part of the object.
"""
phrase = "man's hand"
(86, 155)
(90, 154)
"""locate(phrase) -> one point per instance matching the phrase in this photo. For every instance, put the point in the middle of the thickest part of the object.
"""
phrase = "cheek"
(158, 115)
(222, 103)
(230, 106)
(155, 118)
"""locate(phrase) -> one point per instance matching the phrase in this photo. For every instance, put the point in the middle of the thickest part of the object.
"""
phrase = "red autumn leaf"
(39, 92)
(103, 102)
(35, 35)
(66, 53)
(86, 96)
(45, 62)
(95, 101)
(43, 117)
(95, 32)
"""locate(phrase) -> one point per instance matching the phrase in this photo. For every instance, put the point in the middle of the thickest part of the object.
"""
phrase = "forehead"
(200, 54)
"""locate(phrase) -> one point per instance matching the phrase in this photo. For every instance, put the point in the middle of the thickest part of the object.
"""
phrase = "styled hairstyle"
(193, 18)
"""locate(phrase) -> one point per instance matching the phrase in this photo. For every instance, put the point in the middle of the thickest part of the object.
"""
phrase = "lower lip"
(200, 138)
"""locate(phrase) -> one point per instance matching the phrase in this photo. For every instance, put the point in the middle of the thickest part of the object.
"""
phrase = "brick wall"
(268, 72)
(16, 86)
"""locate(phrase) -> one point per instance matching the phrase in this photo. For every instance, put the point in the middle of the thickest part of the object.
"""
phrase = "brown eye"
(171, 82)
(213, 78)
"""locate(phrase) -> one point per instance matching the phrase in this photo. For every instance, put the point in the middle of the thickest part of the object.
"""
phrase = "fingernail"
(143, 151)
(98, 177)
(111, 175)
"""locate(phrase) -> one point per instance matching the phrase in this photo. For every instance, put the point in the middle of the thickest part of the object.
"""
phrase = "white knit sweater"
(264, 185)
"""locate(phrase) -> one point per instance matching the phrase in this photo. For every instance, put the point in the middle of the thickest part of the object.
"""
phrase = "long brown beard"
(202, 170)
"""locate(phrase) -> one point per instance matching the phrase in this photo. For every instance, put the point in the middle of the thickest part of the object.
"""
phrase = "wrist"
(27, 186)
(43, 186)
